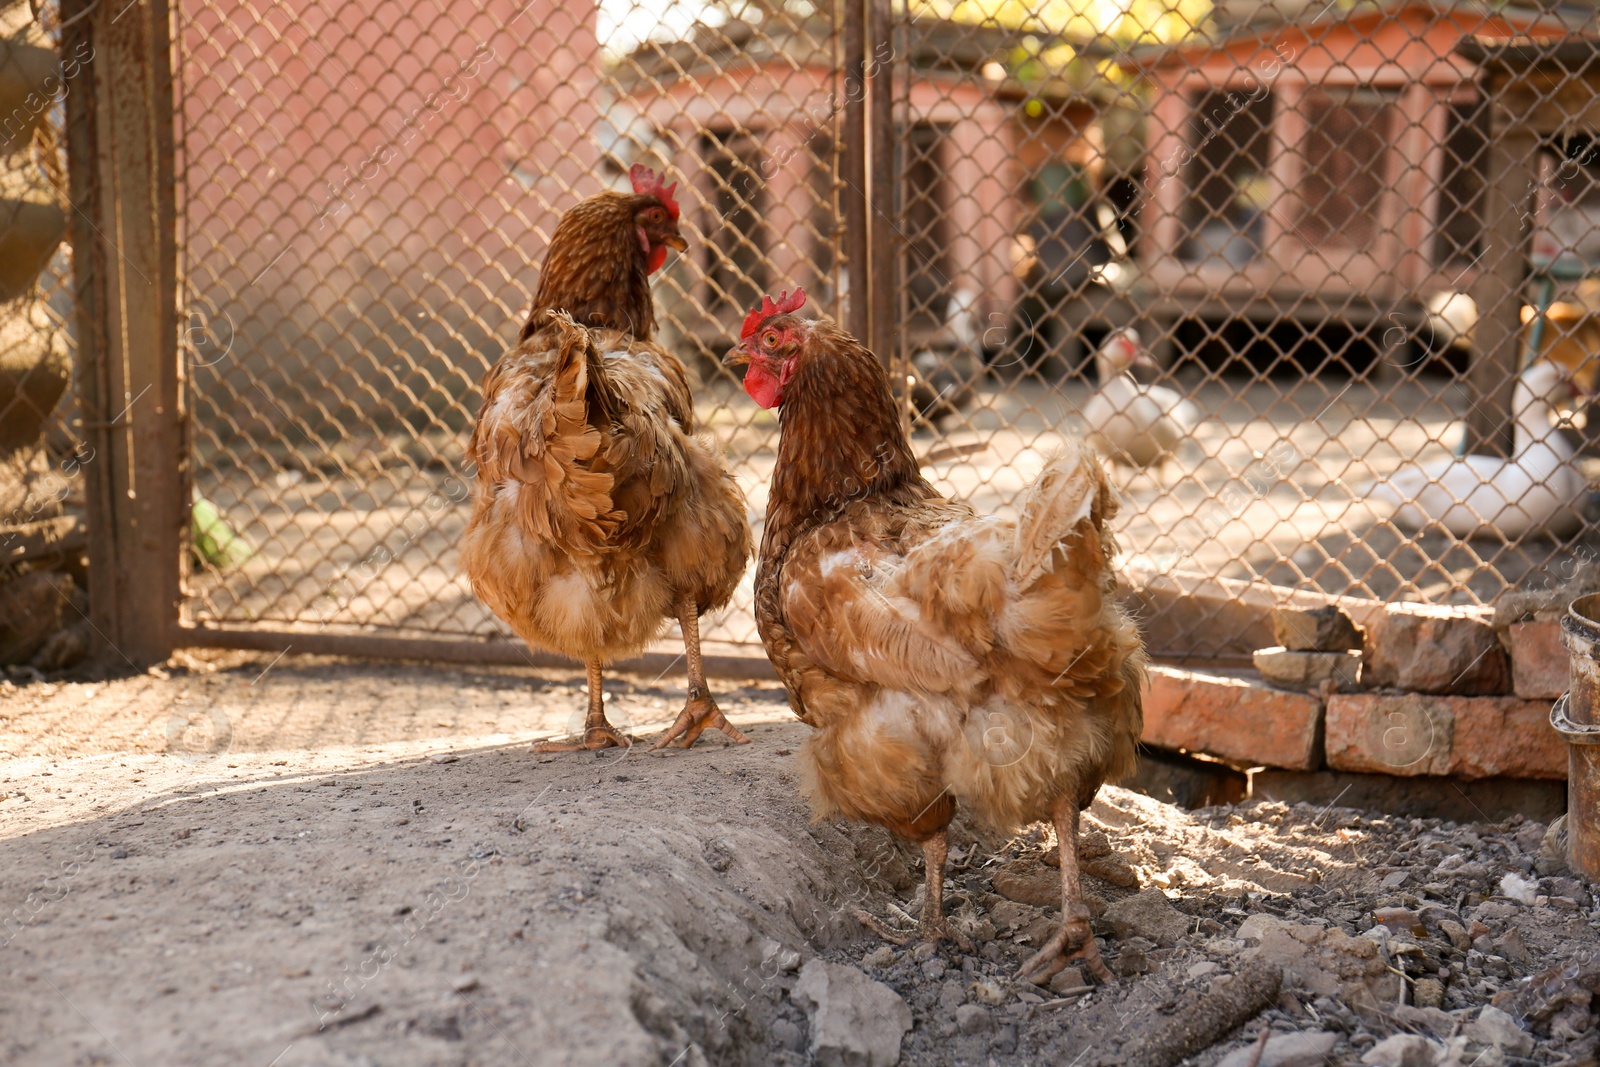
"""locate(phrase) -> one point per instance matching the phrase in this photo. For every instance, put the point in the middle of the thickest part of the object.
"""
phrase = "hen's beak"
(737, 356)
(676, 241)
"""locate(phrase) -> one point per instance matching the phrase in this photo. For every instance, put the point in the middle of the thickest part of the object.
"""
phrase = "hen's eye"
(654, 214)
(771, 339)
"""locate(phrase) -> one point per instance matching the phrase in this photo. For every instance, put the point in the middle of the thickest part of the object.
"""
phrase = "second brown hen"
(940, 655)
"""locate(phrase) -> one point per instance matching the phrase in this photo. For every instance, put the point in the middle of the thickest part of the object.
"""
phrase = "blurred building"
(1317, 161)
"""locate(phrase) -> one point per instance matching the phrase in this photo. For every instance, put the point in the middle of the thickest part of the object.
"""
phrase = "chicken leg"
(597, 732)
(701, 711)
(933, 925)
(1075, 932)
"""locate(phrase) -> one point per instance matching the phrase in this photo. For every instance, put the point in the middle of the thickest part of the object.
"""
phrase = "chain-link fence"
(1337, 232)
(42, 450)
(366, 203)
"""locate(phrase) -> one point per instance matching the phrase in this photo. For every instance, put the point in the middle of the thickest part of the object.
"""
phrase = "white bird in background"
(1139, 425)
(1536, 490)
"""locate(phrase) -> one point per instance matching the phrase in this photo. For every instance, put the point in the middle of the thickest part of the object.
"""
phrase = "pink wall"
(367, 189)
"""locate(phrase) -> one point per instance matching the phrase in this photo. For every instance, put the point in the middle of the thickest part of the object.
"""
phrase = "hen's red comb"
(785, 304)
(645, 183)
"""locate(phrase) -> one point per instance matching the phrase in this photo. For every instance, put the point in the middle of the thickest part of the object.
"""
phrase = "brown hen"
(598, 513)
(940, 655)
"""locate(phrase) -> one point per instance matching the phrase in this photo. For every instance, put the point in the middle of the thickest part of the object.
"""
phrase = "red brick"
(1539, 668)
(1236, 719)
(1426, 649)
(1418, 734)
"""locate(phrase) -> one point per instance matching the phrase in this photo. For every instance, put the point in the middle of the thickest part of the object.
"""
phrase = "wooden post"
(1497, 289)
(120, 147)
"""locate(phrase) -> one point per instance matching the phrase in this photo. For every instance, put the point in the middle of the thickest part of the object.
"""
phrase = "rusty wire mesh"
(42, 450)
(367, 200)
(1288, 201)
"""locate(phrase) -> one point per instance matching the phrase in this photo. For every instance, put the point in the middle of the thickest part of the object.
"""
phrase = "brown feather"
(595, 270)
(904, 626)
(596, 505)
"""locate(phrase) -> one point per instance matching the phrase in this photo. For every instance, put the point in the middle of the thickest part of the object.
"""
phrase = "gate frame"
(129, 378)
(121, 144)
(123, 185)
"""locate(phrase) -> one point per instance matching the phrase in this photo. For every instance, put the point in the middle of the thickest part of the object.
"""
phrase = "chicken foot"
(933, 925)
(1075, 932)
(597, 732)
(701, 711)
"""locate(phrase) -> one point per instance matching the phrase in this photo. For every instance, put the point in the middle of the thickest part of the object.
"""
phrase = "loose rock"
(1132, 961)
(1308, 670)
(1404, 1050)
(855, 1021)
(1324, 629)
(1147, 914)
(973, 1019)
(1327, 961)
(1005, 1039)
(1308, 1049)
(788, 1035)
(880, 957)
(1029, 883)
(1495, 1027)
(1428, 993)
(1456, 933)
(1067, 978)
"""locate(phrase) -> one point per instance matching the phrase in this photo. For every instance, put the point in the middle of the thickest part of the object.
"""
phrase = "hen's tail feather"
(1071, 488)
(548, 447)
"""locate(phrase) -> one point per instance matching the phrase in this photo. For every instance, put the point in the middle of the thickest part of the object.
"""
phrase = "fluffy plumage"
(940, 655)
(599, 513)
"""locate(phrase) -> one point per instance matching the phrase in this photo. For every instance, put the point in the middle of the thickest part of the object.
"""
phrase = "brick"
(1435, 650)
(1420, 734)
(1324, 629)
(1236, 719)
(1307, 670)
(1539, 667)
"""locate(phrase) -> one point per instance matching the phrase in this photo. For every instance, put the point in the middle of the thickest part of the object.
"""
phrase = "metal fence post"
(1497, 290)
(881, 208)
(856, 210)
(121, 151)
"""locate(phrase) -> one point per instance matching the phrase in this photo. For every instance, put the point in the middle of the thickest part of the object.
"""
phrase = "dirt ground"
(297, 862)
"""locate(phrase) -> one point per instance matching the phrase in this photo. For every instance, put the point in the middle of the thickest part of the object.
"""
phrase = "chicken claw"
(701, 711)
(597, 732)
(1053, 957)
(594, 737)
(934, 930)
(1075, 930)
(933, 925)
(697, 714)
(883, 929)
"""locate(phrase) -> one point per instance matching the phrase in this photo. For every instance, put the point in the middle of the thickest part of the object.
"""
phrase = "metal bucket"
(1576, 716)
